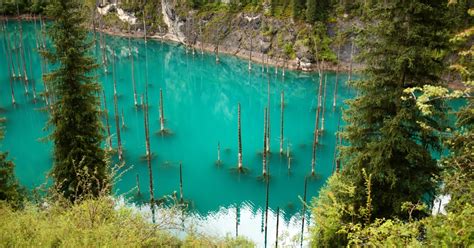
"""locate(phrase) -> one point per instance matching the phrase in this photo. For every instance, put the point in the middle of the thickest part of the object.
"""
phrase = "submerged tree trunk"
(281, 121)
(239, 138)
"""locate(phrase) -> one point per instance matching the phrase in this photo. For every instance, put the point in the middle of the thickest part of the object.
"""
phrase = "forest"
(393, 166)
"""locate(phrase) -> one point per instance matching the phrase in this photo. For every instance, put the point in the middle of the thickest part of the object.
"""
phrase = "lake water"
(200, 108)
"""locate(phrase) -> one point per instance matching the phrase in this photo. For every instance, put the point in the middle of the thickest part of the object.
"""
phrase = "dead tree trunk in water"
(133, 75)
(181, 182)
(162, 113)
(264, 170)
(240, 139)
(304, 210)
(117, 127)
(8, 60)
(281, 121)
(324, 102)
(268, 116)
(337, 78)
(109, 138)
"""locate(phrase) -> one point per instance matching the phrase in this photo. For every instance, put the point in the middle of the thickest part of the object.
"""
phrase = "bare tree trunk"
(264, 166)
(117, 127)
(281, 120)
(239, 138)
(162, 113)
(109, 137)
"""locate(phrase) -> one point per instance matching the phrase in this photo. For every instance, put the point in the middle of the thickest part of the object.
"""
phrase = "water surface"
(200, 105)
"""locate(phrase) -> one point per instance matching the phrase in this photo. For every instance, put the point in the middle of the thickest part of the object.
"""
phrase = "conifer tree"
(10, 190)
(403, 48)
(80, 166)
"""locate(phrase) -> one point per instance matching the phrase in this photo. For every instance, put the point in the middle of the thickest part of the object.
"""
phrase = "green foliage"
(384, 134)
(298, 7)
(77, 131)
(317, 10)
(322, 43)
(12, 7)
(10, 190)
(332, 204)
(94, 223)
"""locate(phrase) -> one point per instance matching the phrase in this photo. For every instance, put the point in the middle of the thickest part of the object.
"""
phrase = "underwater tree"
(405, 48)
(80, 166)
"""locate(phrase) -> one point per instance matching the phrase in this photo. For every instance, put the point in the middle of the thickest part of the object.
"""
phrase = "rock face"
(172, 21)
(281, 42)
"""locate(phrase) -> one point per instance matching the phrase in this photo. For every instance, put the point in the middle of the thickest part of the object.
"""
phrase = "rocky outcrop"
(254, 36)
(172, 21)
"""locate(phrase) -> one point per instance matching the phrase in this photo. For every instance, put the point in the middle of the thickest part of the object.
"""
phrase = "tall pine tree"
(80, 166)
(402, 46)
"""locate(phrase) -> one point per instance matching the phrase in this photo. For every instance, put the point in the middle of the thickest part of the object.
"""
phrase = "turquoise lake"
(200, 108)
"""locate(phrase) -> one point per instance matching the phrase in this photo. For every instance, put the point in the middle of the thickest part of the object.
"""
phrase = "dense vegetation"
(384, 193)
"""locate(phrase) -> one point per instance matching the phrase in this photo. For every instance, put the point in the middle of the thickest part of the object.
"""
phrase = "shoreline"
(257, 57)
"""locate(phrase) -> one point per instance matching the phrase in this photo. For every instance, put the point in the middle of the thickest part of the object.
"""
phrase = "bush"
(93, 223)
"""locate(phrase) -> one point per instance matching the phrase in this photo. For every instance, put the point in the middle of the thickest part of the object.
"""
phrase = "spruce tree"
(298, 9)
(10, 190)
(80, 166)
(403, 44)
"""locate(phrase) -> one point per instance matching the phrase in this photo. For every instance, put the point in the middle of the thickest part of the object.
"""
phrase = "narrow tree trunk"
(266, 209)
(117, 127)
(109, 138)
(337, 78)
(162, 113)
(133, 75)
(138, 184)
(304, 210)
(277, 224)
(268, 117)
(33, 81)
(218, 153)
(181, 182)
(324, 102)
(281, 121)
(239, 138)
(9, 67)
(264, 165)
(335, 144)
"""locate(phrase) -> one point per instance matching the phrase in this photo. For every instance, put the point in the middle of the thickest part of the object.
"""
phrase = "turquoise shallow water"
(200, 105)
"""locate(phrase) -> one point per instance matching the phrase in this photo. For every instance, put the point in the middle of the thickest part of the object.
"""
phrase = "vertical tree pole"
(162, 113)
(304, 210)
(268, 116)
(324, 102)
(239, 129)
(7, 52)
(109, 137)
(264, 165)
(33, 83)
(318, 110)
(117, 127)
(277, 224)
(337, 79)
(218, 153)
(181, 182)
(133, 75)
(266, 209)
(138, 184)
(335, 144)
(281, 120)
